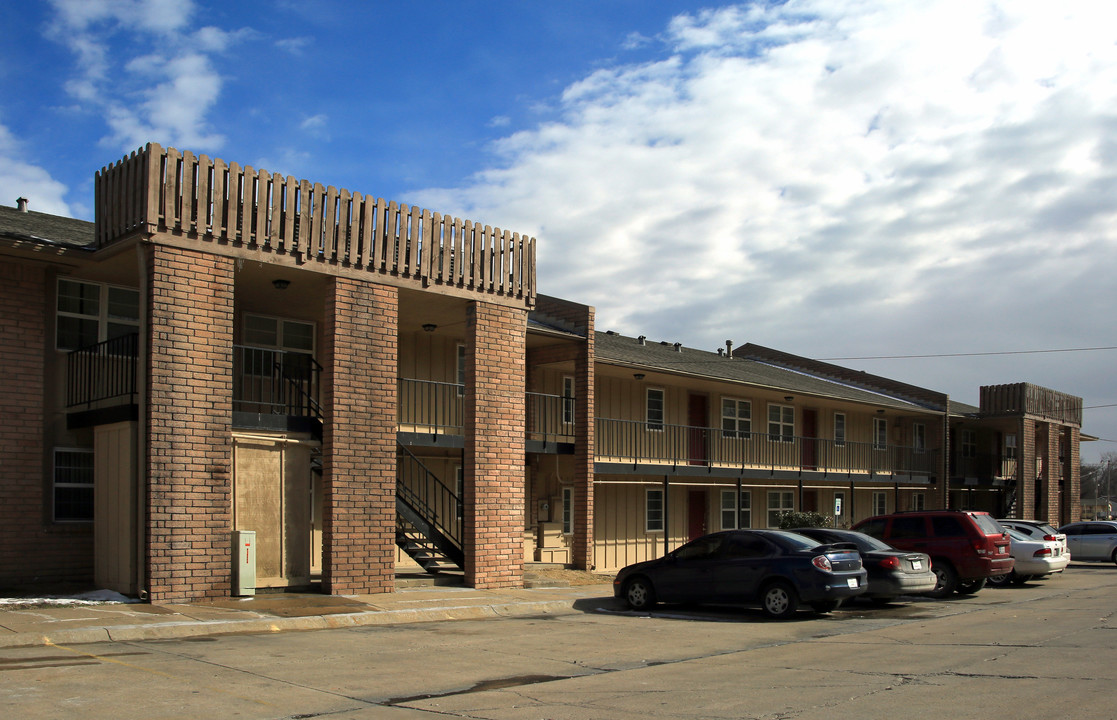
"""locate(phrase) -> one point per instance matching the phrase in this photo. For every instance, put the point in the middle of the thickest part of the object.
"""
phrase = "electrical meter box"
(244, 562)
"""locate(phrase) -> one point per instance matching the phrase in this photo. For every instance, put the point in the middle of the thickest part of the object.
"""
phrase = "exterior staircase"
(428, 517)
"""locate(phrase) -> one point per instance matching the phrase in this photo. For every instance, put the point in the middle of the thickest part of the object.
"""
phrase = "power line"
(974, 354)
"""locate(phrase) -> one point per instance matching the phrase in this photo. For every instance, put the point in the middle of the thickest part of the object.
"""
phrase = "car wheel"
(969, 587)
(639, 593)
(1002, 580)
(947, 579)
(825, 606)
(779, 600)
(1113, 557)
(1020, 579)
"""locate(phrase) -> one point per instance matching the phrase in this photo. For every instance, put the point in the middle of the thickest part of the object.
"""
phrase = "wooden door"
(696, 514)
(698, 421)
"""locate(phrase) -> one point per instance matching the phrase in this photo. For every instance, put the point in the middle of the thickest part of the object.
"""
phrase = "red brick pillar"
(1026, 492)
(1053, 474)
(494, 446)
(359, 438)
(1070, 508)
(584, 453)
(189, 424)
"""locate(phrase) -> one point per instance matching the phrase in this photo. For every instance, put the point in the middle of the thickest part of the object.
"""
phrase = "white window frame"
(568, 399)
(103, 317)
(919, 501)
(880, 433)
(880, 502)
(779, 502)
(459, 369)
(968, 439)
(57, 484)
(839, 429)
(782, 425)
(653, 515)
(280, 342)
(568, 511)
(651, 422)
(1010, 445)
(736, 418)
(736, 510)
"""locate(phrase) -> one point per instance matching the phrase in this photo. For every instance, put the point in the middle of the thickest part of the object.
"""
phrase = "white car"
(1092, 540)
(1038, 530)
(1034, 559)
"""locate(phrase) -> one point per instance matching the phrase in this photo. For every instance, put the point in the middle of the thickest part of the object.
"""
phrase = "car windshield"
(988, 525)
(1016, 534)
(865, 543)
(795, 541)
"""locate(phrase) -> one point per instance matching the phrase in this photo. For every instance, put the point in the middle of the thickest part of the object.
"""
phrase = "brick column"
(1071, 507)
(189, 424)
(1026, 492)
(584, 454)
(494, 446)
(359, 438)
(1053, 473)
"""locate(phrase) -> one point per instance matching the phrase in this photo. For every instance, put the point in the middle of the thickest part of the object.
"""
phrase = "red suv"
(966, 547)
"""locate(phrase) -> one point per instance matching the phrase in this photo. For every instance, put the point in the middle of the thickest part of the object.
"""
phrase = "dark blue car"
(774, 569)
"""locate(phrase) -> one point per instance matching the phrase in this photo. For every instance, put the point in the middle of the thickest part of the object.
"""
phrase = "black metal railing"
(434, 407)
(276, 382)
(984, 466)
(550, 418)
(437, 508)
(640, 442)
(99, 373)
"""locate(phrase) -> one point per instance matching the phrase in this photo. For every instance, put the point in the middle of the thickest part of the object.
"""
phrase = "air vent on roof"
(729, 348)
(21, 204)
(678, 347)
(643, 339)
(611, 332)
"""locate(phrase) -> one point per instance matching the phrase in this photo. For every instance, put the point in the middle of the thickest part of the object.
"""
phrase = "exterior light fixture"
(788, 398)
(281, 284)
(638, 376)
(429, 327)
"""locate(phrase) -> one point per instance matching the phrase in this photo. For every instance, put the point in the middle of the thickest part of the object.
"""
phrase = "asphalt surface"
(41, 624)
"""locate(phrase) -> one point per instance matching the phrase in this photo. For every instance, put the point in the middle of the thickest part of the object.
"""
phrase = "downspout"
(666, 516)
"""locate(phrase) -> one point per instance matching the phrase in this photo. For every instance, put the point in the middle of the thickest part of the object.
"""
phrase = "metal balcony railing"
(438, 408)
(276, 382)
(639, 442)
(101, 373)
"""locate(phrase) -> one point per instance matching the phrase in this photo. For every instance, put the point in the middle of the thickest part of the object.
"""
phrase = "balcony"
(636, 443)
(101, 382)
(983, 467)
(276, 389)
(433, 413)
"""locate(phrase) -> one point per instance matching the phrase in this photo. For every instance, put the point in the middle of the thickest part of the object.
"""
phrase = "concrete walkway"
(23, 626)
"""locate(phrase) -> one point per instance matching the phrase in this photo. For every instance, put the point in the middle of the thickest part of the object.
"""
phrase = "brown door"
(696, 514)
(810, 444)
(698, 419)
(810, 501)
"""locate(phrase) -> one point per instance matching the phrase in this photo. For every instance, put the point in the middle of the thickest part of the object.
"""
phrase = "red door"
(696, 514)
(698, 419)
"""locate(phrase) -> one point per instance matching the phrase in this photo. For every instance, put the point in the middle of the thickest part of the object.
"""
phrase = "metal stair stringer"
(428, 516)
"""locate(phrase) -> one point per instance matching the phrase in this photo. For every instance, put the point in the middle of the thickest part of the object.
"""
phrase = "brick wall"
(1071, 508)
(1026, 490)
(189, 424)
(1053, 471)
(32, 548)
(494, 453)
(359, 437)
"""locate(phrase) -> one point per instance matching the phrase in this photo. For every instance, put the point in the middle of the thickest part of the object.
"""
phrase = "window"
(654, 413)
(918, 501)
(734, 515)
(73, 485)
(839, 429)
(89, 313)
(567, 400)
(909, 527)
(1010, 446)
(781, 423)
(880, 434)
(280, 334)
(947, 526)
(653, 511)
(736, 418)
(880, 503)
(568, 511)
(779, 502)
(969, 444)
(919, 437)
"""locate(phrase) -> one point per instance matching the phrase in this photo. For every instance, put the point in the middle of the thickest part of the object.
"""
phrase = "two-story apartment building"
(350, 379)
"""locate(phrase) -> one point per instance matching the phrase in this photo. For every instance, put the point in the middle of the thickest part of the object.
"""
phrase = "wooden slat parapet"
(1031, 400)
(218, 204)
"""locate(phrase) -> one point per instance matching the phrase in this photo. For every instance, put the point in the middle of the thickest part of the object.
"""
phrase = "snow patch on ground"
(93, 597)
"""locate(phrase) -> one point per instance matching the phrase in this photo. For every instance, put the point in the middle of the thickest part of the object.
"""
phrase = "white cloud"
(20, 178)
(164, 89)
(846, 178)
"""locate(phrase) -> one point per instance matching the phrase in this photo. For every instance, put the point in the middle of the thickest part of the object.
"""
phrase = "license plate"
(917, 564)
(852, 582)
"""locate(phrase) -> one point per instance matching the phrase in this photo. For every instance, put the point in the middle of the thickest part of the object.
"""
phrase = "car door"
(1074, 540)
(689, 572)
(745, 562)
(1097, 542)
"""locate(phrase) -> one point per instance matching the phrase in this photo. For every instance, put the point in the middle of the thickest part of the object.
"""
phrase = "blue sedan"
(774, 569)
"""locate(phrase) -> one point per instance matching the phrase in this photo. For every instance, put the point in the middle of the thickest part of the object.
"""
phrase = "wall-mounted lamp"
(429, 327)
(281, 284)
(880, 412)
(788, 398)
(638, 376)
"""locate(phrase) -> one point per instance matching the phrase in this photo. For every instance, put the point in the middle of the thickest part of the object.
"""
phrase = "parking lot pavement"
(38, 623)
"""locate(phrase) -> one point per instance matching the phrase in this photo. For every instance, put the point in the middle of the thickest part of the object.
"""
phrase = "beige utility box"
(551, 545)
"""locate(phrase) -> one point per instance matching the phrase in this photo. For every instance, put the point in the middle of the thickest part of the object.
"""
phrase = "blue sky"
(832, 178)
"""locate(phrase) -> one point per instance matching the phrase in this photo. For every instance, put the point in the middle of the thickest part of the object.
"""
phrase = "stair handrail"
(437, 505)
